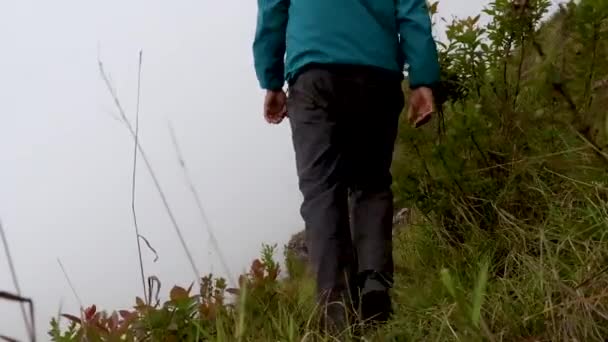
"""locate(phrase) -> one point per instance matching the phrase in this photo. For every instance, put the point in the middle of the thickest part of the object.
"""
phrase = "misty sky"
(66, 163)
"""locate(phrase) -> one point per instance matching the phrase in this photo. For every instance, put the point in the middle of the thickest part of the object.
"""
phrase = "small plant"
(186, 315)
(470, 312)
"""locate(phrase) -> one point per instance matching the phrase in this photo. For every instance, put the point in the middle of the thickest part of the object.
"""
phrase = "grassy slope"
(509, 241)
(530, 200)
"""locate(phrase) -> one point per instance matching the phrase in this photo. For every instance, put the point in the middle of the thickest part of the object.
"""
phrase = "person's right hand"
(275, 106)
(422, 106)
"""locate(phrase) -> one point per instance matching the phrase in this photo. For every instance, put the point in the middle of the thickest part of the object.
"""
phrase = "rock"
(401, 217)
(600, 84)
(296, 247)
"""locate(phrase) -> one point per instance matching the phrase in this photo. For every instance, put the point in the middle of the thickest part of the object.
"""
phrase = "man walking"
(343, 61)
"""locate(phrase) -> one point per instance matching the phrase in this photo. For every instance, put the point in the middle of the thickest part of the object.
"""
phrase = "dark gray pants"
(344, 124)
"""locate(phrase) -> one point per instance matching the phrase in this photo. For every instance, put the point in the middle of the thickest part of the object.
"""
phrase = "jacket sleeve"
(270, 43)
(417, 42)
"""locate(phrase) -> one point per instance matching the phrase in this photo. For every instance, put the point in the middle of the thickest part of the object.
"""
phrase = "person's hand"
(275, 106)
(422, 106)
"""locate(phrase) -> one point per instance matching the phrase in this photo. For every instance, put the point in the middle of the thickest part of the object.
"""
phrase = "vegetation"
(509, 237)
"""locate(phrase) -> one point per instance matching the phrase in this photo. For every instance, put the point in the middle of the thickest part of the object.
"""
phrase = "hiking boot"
(375, 298)
(337, 315)
(376, 307)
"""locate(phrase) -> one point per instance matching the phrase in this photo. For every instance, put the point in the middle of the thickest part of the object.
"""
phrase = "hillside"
(507, 239)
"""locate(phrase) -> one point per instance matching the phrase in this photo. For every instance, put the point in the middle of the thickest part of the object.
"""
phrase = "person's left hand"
(422, 106)
(275, 106)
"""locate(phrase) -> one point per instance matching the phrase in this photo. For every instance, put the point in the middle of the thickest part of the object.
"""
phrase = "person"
(343, 62)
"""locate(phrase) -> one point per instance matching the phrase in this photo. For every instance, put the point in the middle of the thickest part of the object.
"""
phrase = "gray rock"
(296, 246)
(401, 217)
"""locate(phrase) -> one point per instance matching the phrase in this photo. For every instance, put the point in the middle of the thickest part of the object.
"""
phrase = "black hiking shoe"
(376, 307)
(337, 315)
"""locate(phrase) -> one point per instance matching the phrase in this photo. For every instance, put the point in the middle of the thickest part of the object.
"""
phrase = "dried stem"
(150, 169)
(75, 293)
(28, 325)
(67, 278)
(134, 179)
(21, 300)
(197, 199)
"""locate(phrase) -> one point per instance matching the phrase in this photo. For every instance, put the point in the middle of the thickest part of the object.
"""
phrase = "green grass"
(519, 283)
(545, 282)
(508, 238)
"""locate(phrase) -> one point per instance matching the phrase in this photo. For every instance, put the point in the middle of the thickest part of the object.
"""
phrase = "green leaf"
(448, 282)
(479, 293)
(475, 20)
(434, 9)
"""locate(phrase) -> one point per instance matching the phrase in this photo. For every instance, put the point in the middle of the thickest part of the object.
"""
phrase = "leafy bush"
(509, 185)
(206, 314)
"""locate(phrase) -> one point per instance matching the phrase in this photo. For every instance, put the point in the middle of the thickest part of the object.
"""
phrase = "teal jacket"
(291, 34)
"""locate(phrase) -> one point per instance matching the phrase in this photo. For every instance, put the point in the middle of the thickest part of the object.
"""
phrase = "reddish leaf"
(90, 312)
(233, 291)
(273, 273)
(190, 288)
(213, 311)
(101, 327)
(113, 321)
(72, 318)
(203, 309)
(208, 311)
(257, 268)
(126, 323)
(141, 306)
(125, 314)
(140, 302)
(242, 280)
(178, 293)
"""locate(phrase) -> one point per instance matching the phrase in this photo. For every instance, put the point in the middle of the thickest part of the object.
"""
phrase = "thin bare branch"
(134, 180)
(59, 311)
(150, 247)
(22, 300)
(154, 284)
(67, 278)
(197, 199)
(150, 169)
(28, 325)
(590, 143)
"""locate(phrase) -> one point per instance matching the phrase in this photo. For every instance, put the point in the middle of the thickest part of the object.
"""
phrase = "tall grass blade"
(134, 181)
(479, 293)
(242, 314)
(199, 204)
(151, 171)
(28, 325)
(22, 300)
(69, 281)
(448, 282)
